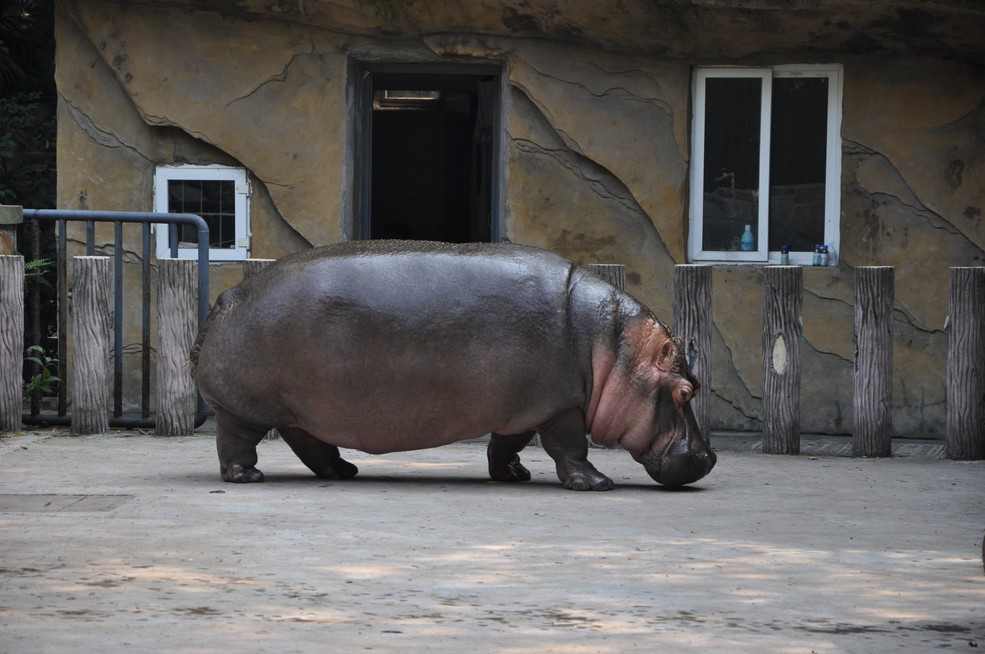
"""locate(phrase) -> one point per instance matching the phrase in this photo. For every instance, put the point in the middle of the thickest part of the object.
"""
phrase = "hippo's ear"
(666, 358)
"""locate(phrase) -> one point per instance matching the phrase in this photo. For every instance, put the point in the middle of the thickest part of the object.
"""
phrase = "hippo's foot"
(587, 480)
(241, 475)
(564, 440)
(504, 462)
(512, 471)
(337, 469)
(236, 441)
(321, 458)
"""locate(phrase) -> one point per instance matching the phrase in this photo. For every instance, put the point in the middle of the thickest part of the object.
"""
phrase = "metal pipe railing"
(119, 218)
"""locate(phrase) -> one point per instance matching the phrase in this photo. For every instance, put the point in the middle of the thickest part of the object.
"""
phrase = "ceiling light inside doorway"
(405, 99)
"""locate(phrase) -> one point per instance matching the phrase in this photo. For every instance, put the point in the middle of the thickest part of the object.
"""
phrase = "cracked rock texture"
(596, 120)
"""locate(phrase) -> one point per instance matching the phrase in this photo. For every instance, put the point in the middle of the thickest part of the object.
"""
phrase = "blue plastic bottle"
(747, 242)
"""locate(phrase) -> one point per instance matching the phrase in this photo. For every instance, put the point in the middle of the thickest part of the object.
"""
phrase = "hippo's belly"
(394, 393)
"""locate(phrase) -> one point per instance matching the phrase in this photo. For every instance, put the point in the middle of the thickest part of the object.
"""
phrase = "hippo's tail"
(221, 307)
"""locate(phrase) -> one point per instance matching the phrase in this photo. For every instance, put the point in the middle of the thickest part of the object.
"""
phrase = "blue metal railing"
(119, 218)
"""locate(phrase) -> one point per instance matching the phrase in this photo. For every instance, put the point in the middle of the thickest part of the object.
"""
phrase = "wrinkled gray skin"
(386, 346)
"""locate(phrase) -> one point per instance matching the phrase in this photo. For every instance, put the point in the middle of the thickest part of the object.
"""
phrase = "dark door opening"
(431, 156)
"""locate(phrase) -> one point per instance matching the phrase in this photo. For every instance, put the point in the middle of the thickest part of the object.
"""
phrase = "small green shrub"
(40, 384)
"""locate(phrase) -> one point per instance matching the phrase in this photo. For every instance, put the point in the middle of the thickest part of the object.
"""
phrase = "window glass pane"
(797, 162)
(214, 201)
(731, 168)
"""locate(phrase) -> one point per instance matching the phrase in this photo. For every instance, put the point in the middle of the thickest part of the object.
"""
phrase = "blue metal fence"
(119, 218)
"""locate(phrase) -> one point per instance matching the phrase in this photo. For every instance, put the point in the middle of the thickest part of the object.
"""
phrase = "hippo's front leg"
(237, 442)
(564, 440)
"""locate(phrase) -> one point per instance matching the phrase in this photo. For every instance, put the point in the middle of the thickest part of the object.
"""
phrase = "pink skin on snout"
(641, 402)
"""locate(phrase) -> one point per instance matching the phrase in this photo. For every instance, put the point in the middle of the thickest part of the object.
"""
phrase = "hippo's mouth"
(678, 465)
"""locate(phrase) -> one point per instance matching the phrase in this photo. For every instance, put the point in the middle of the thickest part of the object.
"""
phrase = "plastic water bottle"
(817, 256)
(784, 255)
(824, 256)
(747, 242)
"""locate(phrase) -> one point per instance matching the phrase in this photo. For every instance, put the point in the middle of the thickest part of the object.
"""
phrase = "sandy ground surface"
(127, 542)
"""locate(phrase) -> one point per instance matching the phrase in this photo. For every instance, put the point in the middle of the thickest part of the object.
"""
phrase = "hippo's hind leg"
(236, 442)
(504, 460)
(322, 458)
(564, 440)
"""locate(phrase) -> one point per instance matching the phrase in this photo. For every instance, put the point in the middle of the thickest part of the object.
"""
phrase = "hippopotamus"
(385, 346)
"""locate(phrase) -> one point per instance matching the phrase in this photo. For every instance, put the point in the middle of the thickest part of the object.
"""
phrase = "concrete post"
(693, 323)
(873, 392)
(92, 342)
(11, 217)
(614, 273)
(966, 365)
(177, 321)
(782, 331)
(11, 341)
(253, 266)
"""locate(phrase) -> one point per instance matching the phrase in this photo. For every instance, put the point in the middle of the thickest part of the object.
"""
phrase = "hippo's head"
(645, 406)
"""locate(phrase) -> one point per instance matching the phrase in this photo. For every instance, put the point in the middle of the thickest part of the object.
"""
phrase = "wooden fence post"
(177, 320)
(873, 392)
(11, 342)
(92, 295)
(966, 365)
(614, 273)
(693, 323)
(782, 330)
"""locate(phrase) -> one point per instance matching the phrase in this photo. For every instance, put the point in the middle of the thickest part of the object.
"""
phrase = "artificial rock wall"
(596, 159)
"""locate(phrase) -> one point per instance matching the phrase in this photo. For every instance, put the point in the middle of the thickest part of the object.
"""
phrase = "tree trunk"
(782, 330)
(92, 295)
(966, 365)
(177, 320)
(11, 342)
(873, 393)
(693, 323)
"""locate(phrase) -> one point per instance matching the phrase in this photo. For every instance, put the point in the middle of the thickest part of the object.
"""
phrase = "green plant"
(37, 269)
(40, 384)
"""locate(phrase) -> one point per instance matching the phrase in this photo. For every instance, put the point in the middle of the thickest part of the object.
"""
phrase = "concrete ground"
(127, 542)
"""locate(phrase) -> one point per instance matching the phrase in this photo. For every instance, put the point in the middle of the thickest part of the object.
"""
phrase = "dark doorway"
(431, 151)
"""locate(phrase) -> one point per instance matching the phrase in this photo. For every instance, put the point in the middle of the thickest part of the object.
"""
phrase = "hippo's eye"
(684, 395)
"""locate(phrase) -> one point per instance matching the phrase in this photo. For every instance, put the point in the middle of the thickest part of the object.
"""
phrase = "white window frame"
(832, 186)
(238, 176)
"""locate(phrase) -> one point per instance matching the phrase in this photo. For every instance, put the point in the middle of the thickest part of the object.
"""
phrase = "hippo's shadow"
(366, 480)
